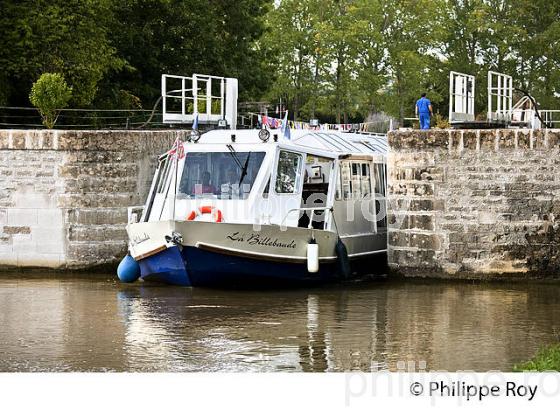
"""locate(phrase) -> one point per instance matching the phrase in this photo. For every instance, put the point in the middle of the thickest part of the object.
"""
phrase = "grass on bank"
(546, 359)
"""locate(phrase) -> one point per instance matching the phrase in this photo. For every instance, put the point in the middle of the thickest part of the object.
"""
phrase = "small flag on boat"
(286, 127)
(177, 150)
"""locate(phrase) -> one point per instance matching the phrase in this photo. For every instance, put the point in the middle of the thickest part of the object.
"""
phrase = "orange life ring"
(206, 210)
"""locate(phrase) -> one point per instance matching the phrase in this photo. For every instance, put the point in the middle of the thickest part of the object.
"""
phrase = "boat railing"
(207, 98)
(312, 209)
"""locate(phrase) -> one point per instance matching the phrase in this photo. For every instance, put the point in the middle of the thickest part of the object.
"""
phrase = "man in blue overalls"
(424, 111)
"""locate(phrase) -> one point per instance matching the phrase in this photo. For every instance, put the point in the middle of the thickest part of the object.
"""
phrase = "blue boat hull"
(167, 266)
(193, 266)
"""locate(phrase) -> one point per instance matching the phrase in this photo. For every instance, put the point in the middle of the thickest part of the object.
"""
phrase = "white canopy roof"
(331, 141)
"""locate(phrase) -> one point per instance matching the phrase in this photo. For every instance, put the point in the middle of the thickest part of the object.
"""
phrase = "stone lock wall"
(462, 204)
(474, 203)
(64, 194)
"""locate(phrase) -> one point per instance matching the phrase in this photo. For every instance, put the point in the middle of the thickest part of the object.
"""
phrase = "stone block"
(414, 205)
(22, 217)
(506, 139)
(34, 139)
(36, 259)
(48, 140)
(412, 189)
(16, 230)
(48, 233)
(18, 139)
(539, 140)
(456, 141)
(86, 233)
(4, 139)
(23, 244)
(470, 140)
(27, 198)
(112, 216)
(51, 216)
(56, 247)
(523, 139)
(405, 239)
(488, 140)
(437, 139)
(115, 233)
(6, 247)
(411, 139)
(553, 139)
(421, 222)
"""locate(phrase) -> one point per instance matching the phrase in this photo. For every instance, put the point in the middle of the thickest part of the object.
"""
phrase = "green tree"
(185, 37)
(67, 36)
(350, 58)
(50, 94)
(372, 73)
(342, 47)
(412, 37)
(538, 49)
(314, 53)
(290, 39)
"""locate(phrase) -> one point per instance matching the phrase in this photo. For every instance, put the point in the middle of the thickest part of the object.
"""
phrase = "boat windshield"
(226, 175)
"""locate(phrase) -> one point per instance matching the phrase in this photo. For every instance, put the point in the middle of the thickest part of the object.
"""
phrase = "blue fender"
(128, 270)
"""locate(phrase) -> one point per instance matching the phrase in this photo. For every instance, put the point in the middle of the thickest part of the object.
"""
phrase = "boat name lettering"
(257, 239)
(138, 239)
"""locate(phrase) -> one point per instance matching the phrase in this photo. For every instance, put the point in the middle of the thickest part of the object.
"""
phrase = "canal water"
(94, 323)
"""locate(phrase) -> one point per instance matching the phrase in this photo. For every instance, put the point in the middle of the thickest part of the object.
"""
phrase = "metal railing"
(461, 97)
(209, 98)
(204, 95)
(523, 112)
(77, 118)
(500, 97)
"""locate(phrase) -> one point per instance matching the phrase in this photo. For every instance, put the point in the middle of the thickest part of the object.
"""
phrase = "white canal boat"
(251, 206)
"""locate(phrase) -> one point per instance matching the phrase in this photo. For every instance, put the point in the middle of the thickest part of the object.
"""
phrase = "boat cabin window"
(289, 172)
(315, 190)
(226, 175)
(354, 180)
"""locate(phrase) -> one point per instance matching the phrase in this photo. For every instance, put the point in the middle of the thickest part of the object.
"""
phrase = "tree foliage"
(379, 55)
(108, 49)
(338, 60)
(50, 94)
(66, 36)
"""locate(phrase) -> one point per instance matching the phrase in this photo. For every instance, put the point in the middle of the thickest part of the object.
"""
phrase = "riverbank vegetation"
(547, 359)
(338, 60)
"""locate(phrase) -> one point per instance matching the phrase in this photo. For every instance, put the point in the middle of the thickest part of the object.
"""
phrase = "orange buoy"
(207, 209)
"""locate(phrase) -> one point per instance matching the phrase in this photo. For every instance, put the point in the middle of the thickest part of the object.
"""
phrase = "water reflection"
(78, 324)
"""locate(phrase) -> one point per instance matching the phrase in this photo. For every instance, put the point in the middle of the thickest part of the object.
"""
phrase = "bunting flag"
(177, 150)
(285, 124)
